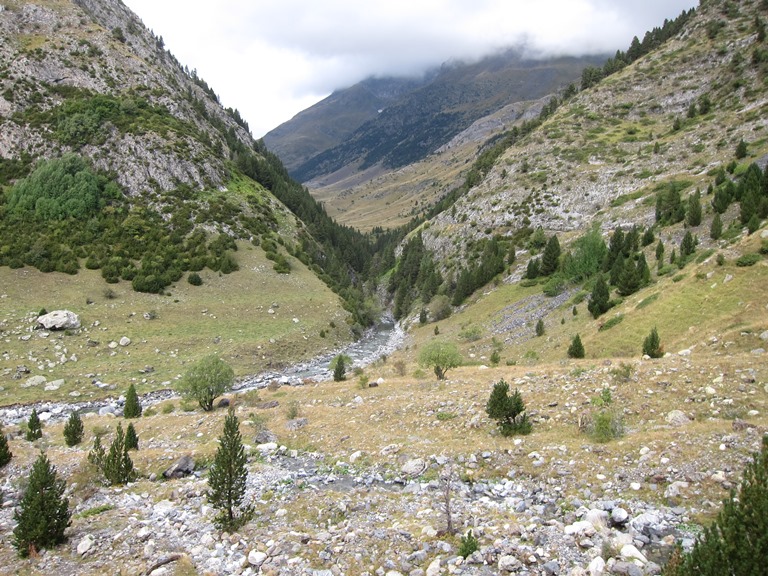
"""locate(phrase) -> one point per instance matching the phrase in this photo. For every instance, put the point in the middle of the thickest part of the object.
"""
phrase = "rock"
(85, 545)
(265, 437)
(355, 456)
(184, 466)
(551, 567)
(629, 552)
(582, 527)
(34, 381)
(267, 448)
(125, 341)
(53, 386)
(673, 490)
(296, 423)
(598, 518)
(268, 405)
(59, 320)
(105, 410)
(758, 352)
(677, 418)
(619, 516)
(764, 336)
(596, 567)
(434, 567)
(256, 558)
(413, 467)
(508, 563)
(626, 568)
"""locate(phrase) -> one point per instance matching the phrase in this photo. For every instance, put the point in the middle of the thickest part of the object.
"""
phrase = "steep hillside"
(426, 117)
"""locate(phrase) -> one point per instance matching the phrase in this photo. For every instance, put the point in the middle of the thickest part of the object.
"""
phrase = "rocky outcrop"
(59, 320)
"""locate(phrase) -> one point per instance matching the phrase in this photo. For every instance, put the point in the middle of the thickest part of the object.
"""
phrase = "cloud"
(274, 58)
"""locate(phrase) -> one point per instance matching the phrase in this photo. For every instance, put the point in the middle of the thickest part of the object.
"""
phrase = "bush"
(132, 408)
(737, 541)
(748, 260)
(540, 327)
(469, 544)
(576, 349)
(606, 425)
(508, 411)
(205, 381)
(73, 430)
(652, 345)
(195, 279)
(43, 514)
(340, 370)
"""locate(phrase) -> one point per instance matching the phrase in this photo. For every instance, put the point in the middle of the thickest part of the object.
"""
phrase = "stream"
(384, 338)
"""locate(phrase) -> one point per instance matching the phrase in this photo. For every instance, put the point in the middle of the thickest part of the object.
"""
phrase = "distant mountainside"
(415, 118)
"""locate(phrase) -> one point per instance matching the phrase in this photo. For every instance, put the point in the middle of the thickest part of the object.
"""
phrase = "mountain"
(415, 118)
(121, 173)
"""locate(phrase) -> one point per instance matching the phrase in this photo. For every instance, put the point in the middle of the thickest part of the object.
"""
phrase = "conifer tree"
(73, 430)
(737, 541)
(540, 327)
(34, 427)
(117, 465)
(693, 214)
(652, 344)
(131, 438)
(599, 300)
(508, 411)
(5, 451)
(576, 349)
(716, 228)
(132, 408)
(43, 513)
(660, 251)
(687, 245)
(340, 370)
(551, 258)
(532, 271)
(629, 279)
(643, 271)
(227, 477)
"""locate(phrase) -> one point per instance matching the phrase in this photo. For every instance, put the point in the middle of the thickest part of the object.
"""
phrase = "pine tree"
(737, 541)
(532, 271)
(652, 345)
(508, 411)
(741, 149)
(73, 430)
(5, 451)
(227, 477)
(716, 229)
(340, 369)
(693, 216)
(576, 349)
(117, 465)
(551, 258)
(34, 427)
(131, 438)
(540, 327)
(43, 513)
(599, 300)
(688, 244)
(132, 407)
(643, 271)
(629, 279)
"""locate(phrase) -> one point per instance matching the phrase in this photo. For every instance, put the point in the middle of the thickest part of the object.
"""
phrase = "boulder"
(265, 437)
(59, 320)
(619, 516)
(125, 341)
(413, 467)
(85, 545)
(296, 423)
(256, 558)
(677, 418)
(184, 466)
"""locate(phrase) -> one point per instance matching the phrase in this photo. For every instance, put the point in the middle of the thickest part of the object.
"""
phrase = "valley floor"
(358, 478)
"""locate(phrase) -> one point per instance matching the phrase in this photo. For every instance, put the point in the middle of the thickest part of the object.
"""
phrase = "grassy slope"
(227, 315)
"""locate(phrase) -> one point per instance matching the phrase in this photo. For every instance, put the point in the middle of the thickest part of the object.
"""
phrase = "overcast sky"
(271, 59)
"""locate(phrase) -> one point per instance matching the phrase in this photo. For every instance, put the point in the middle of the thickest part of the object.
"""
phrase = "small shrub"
(5, 451)
(132, 408)
(195, 279)
(495, 357)
(652, 345)
(469, 544)
(293, 410)
(606, 425)
(540, 327)
(443, 416)
(720, 259)
(168, 408)
(400, 368)
(362, 381)
(748, 260)
(508, 411)
(471, 333)
(131, 438)
(610, 323)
